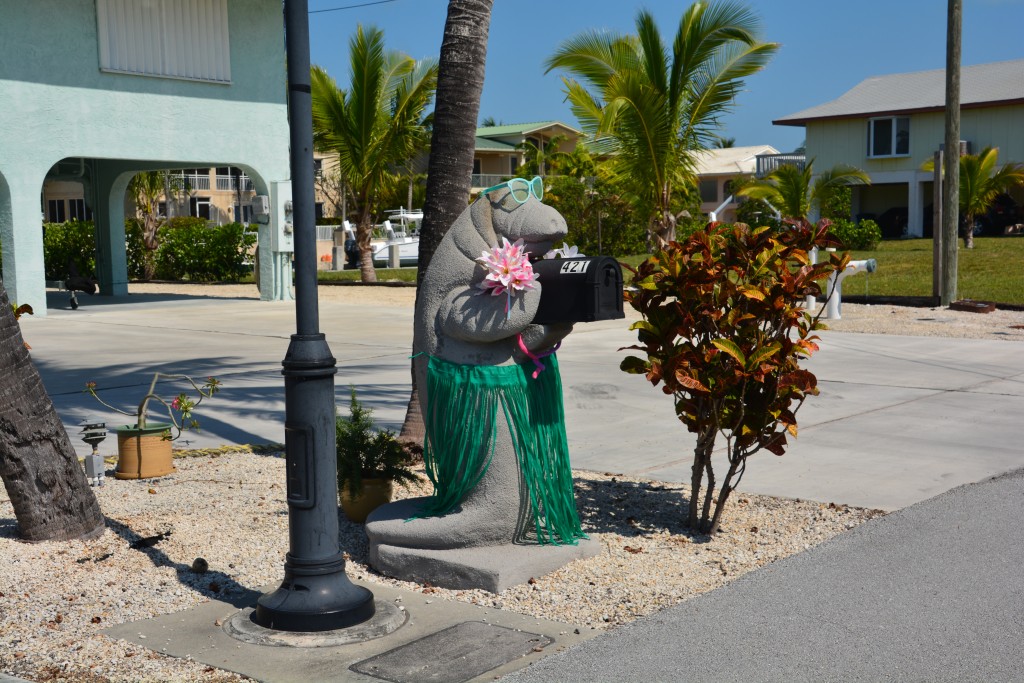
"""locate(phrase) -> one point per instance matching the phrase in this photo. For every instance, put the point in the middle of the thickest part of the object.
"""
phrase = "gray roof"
(980, 85)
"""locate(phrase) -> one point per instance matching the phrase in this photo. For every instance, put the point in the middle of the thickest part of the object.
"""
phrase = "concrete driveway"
(899, 419)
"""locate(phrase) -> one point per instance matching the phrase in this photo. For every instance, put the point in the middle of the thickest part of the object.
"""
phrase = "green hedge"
(63, 242)
(864, 235)
(189, 249)
(622, 232)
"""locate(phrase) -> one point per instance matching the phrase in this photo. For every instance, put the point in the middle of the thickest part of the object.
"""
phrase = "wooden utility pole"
(937, 227)
(951, 178)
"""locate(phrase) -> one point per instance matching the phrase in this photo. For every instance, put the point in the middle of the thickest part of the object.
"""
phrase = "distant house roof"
(487, 136)
(980, 85)
(731, 160)
(488, 145)
(520, 128)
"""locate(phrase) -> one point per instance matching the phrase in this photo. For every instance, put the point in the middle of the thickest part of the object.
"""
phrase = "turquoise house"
(95, 91)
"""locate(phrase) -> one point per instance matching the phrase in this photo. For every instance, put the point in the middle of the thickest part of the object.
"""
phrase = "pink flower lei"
(508, 270)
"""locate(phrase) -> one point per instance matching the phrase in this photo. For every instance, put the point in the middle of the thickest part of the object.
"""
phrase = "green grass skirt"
(465, 404)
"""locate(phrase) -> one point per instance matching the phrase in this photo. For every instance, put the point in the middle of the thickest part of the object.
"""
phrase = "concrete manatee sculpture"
(503, 508)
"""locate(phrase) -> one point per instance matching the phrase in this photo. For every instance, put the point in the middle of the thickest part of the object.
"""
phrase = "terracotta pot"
(376, 492)
(143, 453)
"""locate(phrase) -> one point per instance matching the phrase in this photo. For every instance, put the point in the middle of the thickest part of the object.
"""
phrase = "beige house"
(717, 169)
(221, 195)
(497, 156)
(889, 125)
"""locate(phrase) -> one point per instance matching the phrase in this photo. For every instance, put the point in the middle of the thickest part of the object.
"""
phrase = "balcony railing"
(227, 182)
(194, 182)
(484, 180)
(488, 179)
(766, 163)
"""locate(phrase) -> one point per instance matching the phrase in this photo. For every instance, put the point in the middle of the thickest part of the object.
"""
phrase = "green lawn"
(992, 271)
(383, 275)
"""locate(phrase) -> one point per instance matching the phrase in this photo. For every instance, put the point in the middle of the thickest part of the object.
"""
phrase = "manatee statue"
(491, 396)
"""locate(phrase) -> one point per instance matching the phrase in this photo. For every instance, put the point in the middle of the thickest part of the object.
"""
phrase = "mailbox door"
(606, 290)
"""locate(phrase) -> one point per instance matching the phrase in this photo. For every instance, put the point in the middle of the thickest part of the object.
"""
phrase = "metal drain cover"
(454, 655)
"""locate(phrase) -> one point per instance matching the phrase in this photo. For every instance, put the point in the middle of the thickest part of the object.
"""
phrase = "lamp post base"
(314, 598)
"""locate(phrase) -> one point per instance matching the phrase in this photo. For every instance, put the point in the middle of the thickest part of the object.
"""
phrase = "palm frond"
(652, 51)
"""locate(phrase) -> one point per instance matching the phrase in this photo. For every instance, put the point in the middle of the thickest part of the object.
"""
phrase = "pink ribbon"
(536, 357)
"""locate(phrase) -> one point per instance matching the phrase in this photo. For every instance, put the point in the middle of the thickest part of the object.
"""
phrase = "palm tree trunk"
(364, 232)
(460, 80)
(51, 499)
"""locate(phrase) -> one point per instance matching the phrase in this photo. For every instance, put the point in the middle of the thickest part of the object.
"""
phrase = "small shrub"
(135, 251)
(363, 452)
(837, 204)
(723, 333)
(861, 236)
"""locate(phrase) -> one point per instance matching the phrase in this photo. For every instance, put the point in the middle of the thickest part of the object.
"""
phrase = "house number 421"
(575, 266)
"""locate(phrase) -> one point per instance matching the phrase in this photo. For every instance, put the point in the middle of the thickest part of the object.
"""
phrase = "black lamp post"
(316, 594)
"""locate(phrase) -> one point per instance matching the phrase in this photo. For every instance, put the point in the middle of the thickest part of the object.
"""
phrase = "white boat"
(408, 219)
(385, 237)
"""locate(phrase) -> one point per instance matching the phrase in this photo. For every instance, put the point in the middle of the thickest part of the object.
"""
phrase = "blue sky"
(827, 47)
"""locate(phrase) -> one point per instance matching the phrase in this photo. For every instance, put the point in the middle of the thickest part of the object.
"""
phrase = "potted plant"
(144, 448)
(370, 461)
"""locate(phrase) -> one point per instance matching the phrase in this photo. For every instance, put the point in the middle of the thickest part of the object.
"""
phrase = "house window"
(513, 164)
(709, 190)
(55, 211)
(889, 137)
(476, 167)
(199, 207)
(318, 168)
(318, 210)
(165, 38)
(78, 211)
(161, 208)
(244, 215)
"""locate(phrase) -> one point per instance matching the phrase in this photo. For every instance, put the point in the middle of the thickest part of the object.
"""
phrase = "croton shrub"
(723, 332)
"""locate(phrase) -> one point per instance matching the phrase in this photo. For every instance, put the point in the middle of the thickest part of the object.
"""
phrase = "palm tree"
(980, 183)
(537, 157)
(791, 191)
(725, 143)
(147, 188)
(375, 126)
(655, 107)
(51, 499)
(578, 163)
(460, 81)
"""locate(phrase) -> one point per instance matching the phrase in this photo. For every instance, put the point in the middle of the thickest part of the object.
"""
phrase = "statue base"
(490, 568)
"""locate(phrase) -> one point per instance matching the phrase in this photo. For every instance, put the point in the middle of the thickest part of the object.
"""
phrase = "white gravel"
(56, 597)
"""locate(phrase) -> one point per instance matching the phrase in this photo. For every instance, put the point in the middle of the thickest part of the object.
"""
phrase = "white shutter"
(169, 38)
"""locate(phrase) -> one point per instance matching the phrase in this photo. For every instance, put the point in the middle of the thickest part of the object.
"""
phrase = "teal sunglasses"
(521, 188)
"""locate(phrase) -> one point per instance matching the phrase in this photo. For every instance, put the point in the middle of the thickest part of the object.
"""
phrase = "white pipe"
(713, 215)
(810, 302)
(834, 304)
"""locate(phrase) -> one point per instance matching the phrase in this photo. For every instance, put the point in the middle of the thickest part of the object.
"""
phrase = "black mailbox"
(580, 289)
